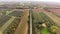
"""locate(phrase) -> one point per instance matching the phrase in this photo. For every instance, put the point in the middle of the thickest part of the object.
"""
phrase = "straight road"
(30, 21)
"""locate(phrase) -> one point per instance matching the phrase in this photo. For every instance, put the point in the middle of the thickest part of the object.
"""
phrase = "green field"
(44, 31)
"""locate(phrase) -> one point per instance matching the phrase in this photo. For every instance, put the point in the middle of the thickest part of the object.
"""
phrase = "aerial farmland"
(13, 19)
(29, 18)
(45, 18)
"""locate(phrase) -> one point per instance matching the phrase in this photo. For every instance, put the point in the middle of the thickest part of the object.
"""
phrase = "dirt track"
(23, 26)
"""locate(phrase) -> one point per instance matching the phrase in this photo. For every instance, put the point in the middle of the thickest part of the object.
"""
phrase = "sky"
(32, 0)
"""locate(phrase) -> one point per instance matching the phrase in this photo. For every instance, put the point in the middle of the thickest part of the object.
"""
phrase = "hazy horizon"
(58, 1)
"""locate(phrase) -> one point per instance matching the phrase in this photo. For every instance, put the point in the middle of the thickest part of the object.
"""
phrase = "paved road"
(30, 21)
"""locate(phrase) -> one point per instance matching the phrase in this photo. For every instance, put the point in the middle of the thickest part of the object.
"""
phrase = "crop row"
(16, 13)
(4, 19)
(35, 21)
(38, 20)
(12, 27)
(46, 18)
(50, 24)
